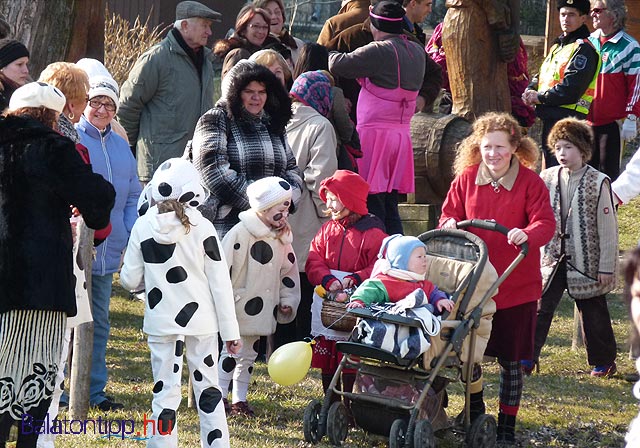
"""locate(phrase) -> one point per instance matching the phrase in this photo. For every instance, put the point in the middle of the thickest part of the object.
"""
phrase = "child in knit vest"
(265, 278)
(581, 258)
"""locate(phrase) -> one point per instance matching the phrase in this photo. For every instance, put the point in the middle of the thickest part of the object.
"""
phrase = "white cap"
(268, 192)
(93, 67)
(38, 94)
(104, 86)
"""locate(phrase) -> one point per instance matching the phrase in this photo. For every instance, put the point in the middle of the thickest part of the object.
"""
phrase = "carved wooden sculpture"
(479, 38)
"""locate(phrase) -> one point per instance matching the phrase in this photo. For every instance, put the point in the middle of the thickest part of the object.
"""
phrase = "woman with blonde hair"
(276, 64)
(495, 180)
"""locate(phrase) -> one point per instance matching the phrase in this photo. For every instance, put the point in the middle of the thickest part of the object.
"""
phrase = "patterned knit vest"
(581, 240)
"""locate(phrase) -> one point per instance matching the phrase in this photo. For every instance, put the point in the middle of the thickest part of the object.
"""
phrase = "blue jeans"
(101, 297)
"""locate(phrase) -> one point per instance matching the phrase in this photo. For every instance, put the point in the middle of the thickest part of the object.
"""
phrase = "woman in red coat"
(494, 180)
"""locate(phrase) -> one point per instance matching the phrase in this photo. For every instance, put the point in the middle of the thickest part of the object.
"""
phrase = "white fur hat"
(178, 179)
(93, 67)
(268, 192)
(38, 94)
(104, 86)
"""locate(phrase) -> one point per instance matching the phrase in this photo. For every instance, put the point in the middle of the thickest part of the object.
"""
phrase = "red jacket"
(526, 207)
(353, 248)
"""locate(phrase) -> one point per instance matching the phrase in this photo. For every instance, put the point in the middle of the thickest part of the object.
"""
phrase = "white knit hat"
(38, 94)
(104, 86)
(177, 179)
(268, 192)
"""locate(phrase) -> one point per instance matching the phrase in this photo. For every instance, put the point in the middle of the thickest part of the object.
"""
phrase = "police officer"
(565, 85)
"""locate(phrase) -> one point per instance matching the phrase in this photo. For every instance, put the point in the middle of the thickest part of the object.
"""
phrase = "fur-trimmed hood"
(223, 46)
(278, 104)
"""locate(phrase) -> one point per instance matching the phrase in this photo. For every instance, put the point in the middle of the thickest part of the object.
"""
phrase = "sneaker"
(606, 371)
(528, 365)
(242, 408)
(109, 405)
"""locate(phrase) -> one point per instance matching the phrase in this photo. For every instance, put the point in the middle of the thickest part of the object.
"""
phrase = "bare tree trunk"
(49, 27)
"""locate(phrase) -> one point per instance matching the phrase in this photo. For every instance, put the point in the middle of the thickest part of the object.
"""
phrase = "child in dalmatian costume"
(189, 301)
(266, 283)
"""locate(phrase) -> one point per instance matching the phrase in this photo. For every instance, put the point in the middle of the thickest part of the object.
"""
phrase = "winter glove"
(629, 130)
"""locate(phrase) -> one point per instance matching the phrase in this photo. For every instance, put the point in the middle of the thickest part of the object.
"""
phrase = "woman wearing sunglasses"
(617, 87)
(110, 157)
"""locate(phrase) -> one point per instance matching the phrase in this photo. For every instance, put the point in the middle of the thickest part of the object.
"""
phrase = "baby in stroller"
(399, 277)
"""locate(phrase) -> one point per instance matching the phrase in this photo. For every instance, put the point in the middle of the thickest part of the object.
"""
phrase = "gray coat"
(161, 102)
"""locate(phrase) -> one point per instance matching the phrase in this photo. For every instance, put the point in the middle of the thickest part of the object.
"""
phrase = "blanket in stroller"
(403, 341)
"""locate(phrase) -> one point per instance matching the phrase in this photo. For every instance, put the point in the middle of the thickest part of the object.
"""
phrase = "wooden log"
(80, 364)
(576, 340)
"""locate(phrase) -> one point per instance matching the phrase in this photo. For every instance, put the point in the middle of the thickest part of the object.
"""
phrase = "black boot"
(476, 405)
(506, 430)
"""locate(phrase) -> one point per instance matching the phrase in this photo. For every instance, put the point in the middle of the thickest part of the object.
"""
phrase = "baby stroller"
(391, 394)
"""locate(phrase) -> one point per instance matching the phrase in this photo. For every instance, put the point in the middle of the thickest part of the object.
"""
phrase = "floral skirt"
(30, 350)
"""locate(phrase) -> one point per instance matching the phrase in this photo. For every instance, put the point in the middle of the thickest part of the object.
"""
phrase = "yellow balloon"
(290, 363)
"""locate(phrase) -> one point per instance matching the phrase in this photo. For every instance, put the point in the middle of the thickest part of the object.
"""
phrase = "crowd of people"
(228, 213)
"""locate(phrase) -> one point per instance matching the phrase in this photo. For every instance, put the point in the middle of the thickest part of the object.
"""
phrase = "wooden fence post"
(576, 340)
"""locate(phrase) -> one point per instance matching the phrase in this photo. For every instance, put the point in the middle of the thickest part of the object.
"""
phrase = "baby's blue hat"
(397, 250)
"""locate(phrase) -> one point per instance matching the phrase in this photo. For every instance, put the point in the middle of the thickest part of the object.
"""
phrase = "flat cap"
(189, 9)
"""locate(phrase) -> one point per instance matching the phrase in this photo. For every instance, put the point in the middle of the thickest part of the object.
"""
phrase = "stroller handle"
(488, 224)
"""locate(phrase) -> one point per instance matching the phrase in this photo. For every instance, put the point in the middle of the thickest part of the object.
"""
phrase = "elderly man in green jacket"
(169, 88)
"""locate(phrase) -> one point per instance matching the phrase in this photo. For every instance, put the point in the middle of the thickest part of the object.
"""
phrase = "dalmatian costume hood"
(181, 299)
(263, 266)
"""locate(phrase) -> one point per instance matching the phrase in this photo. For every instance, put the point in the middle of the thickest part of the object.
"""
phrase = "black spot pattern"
(84, 285)
(194, 203)
(250, 369)
(212, 248)
(254, 306)
(187, 196)
(158, 387)
(285, 185)
(154, 252)
(143, 208)
(176, 274)
(166, 421)
(236, 246)
(275, 312)
(179, 348)
(228, 364)
(208, 361)
(164, 189)
(261, 252)
(154, 297)
(288, 282)
(176, 367)
(213, 435)
(197, 375)
(256, 345)
(186, 313)
(291, 257)
(209, 399)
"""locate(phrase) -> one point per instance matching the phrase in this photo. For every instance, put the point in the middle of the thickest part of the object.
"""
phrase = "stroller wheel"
(423, 436)
(337, 423)
(311, 422)
(482, 432)
(398, 433)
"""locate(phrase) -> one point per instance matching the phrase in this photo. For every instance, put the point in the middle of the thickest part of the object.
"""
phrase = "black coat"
(41, 175)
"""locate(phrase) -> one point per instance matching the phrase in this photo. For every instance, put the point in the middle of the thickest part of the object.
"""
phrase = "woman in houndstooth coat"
(242, 139)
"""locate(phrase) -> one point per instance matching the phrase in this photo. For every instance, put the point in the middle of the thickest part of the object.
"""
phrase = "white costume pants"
(238, 368)
(166, 363)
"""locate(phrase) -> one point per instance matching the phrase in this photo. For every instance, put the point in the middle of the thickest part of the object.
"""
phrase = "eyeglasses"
(95, 104)
(254, 26)
(597, 10)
